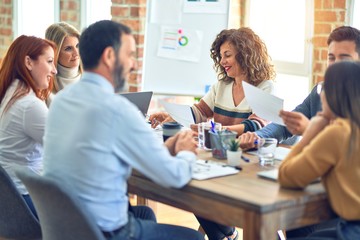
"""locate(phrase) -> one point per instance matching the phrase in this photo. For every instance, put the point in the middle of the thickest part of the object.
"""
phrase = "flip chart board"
(178, 37)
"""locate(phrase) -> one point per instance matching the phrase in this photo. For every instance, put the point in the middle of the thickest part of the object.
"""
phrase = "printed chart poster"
(206, 6)
(180, 44)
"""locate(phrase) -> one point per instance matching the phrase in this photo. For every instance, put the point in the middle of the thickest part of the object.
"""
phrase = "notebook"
(205, 169)
(140, 99)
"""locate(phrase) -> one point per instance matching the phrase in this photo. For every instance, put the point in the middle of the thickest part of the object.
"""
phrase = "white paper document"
(263, 104)
(179, 112)
(205, 169)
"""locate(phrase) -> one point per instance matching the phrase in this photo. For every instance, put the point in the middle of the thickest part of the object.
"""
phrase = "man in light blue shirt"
(94, 137)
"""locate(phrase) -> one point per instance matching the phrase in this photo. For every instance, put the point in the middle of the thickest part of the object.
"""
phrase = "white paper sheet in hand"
(263, 104)
(180, 113)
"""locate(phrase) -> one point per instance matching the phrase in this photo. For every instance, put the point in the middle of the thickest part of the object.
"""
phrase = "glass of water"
(266, 151)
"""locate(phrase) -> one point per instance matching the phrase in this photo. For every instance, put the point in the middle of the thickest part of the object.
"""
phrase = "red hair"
(13, 67)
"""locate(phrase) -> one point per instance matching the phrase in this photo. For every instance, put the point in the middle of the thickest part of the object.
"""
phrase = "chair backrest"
(16, 218)
(61, 214)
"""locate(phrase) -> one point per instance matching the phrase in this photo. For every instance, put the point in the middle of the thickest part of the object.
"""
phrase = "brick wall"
(132, 13)
(69, 12)
(328, 14)
(5, 26)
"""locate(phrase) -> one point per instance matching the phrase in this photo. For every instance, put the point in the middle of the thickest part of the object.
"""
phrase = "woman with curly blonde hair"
(239, 56)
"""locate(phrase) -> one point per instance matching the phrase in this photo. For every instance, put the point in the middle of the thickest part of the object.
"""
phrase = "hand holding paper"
(264, 104)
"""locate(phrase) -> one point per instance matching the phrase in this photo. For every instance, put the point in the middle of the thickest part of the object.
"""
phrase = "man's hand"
(295, 122)
(159, 118)
(247, 140)
(186, 141)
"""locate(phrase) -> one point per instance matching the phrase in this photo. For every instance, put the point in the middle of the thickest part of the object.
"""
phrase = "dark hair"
(345, 33)
(342, 90)
(251, 55)
(98, 36)
(13, 67)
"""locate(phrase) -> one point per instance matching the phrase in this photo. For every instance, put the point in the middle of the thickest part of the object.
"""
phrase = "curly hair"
(252, 55)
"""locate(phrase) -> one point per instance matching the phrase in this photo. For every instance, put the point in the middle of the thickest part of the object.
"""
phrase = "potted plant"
(233, 153)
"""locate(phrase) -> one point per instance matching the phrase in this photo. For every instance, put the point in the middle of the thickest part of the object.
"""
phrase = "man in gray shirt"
(343, 44)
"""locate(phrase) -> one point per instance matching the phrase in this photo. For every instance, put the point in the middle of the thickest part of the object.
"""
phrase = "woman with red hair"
(26, 78)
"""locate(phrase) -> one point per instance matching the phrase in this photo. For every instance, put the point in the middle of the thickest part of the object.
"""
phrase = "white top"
(21, 132)
(65, 77)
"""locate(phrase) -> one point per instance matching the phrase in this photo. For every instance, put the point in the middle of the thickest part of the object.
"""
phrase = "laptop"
(269, 174)
(273, 175)
(140, 99)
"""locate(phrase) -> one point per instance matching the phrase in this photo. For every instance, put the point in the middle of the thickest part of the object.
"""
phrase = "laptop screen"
(140, 99)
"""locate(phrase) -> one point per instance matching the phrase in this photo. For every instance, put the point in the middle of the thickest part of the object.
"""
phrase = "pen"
(245, 159)
(236, 167)
(258, 141)
(213, 129)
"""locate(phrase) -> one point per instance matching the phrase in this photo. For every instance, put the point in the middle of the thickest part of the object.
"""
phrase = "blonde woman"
(68, 65)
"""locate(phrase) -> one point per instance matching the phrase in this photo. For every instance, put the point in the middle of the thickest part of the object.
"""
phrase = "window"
(286, 28)
(94, 10)
(30, 20)
(355, 13)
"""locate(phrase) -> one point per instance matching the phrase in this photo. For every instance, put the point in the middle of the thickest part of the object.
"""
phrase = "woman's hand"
(247, 140)
(194, 127)
(315, 126)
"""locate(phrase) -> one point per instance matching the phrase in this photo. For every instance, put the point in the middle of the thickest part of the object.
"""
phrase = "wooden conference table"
(258, 206)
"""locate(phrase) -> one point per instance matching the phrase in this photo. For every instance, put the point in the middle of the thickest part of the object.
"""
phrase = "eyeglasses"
(320, 87)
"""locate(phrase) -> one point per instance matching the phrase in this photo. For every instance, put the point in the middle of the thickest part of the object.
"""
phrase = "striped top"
(218, 103)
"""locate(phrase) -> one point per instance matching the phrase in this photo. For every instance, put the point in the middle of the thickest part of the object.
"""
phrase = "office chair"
(16, 219)
(61, 213)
